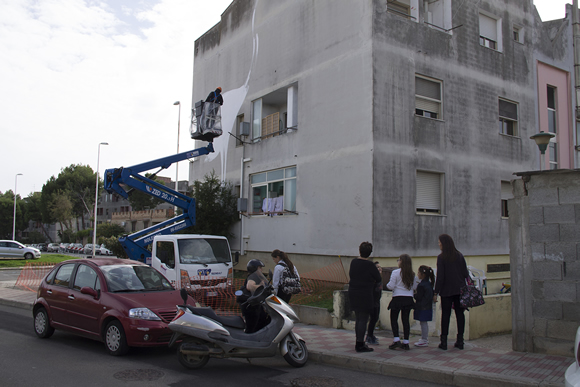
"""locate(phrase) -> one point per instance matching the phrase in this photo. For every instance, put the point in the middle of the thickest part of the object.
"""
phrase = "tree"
(216, 206)
(141, 201)
(33, 212)
(75, 184)
(7, 214)
(107, 230)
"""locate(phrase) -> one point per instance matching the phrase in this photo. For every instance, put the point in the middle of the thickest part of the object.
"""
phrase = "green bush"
(113, 244)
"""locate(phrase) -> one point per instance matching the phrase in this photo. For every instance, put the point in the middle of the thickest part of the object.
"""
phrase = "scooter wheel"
(297, 355)
(192, 362)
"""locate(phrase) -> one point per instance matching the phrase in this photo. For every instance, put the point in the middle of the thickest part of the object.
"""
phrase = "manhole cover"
(316, 381)
(136, 375)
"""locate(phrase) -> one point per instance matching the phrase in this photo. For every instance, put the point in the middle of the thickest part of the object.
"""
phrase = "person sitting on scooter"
(255, 316)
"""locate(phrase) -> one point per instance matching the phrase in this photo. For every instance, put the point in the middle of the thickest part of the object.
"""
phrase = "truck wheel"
(192, 362)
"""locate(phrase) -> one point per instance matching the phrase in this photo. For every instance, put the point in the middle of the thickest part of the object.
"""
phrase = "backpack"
(289, 283)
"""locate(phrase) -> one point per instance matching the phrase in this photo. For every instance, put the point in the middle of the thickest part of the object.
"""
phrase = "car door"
(4, 249)
(58, 292)
(84, 309)
(14, 250)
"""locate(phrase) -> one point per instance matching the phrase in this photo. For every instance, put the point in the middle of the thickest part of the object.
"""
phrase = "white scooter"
(201, 334)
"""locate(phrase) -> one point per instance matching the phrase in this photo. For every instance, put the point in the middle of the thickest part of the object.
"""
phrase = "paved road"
(67, 360)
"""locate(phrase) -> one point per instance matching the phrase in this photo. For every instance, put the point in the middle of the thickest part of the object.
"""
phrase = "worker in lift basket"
(214, 97)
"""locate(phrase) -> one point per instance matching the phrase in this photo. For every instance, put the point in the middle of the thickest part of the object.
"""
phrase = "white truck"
(196, 262)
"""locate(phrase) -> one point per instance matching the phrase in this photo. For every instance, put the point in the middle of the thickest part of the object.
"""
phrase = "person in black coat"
(363, 279)
(215, 96)
(451, 275)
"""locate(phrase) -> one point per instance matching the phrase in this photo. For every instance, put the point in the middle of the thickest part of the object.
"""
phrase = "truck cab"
(192, 261)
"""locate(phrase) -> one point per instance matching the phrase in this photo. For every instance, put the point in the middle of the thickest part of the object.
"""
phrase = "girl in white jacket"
(403, 284)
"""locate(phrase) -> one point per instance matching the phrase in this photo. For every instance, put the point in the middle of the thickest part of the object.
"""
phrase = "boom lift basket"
(206, 121)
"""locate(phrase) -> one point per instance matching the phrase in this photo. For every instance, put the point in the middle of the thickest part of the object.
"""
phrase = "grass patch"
(326, 303)
(46, 259)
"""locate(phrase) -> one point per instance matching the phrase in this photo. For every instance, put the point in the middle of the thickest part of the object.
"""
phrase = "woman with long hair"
(402, 284)
(451, 275)
(284, 267)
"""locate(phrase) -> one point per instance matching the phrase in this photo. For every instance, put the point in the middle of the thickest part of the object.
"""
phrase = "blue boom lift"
(208, 117)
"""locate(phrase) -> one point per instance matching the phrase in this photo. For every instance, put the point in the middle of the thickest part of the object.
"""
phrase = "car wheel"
(28, 256)
(115, 339)
(42, 326)
(192, 362)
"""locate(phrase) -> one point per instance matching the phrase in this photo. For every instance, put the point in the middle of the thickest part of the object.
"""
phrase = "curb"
(16, 304)
(440, 375)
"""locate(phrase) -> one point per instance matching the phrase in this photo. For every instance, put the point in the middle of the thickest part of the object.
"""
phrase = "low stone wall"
(313, 316)
(492, 318)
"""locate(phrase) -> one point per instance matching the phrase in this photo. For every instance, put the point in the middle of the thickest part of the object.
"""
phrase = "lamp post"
(542, 140)
(14, 217)
(177, 163)
(97, 196)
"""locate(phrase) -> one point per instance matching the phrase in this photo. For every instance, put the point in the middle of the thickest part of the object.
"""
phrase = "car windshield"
(134, 278)
(203, 251)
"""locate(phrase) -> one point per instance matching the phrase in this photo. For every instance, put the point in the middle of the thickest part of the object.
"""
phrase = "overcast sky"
(74, 73)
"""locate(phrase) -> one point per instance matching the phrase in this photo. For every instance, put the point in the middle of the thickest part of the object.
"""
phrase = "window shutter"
(488, 27)
(428, 191)
(424, 104)
(426, 88)
(506, 191)
(508, 110)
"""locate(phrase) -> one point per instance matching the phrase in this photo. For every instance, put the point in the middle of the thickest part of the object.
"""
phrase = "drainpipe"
(576, 33)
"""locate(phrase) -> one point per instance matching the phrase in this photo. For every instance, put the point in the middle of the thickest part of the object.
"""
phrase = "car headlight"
(143, 314)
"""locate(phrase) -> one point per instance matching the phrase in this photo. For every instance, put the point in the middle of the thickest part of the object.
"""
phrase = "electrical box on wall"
(244, 128)
(242, 205)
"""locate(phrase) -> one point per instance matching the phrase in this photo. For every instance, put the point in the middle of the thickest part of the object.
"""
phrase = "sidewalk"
(475, 366)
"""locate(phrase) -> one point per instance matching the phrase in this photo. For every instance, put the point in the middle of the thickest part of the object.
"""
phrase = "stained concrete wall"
(358, 142)
(545, 261)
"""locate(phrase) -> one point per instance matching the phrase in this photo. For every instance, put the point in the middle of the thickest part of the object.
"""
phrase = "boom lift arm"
(135, 244)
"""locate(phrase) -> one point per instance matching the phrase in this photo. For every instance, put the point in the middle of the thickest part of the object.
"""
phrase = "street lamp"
(542, 140)
(97, 197)
(14, 217)
(177, 163)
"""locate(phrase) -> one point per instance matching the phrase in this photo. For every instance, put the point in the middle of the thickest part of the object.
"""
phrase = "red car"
(120, 302)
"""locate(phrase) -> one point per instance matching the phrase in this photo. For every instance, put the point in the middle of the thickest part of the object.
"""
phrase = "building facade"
(392, 122)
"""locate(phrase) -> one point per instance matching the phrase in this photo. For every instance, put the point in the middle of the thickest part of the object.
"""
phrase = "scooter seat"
(230, 321)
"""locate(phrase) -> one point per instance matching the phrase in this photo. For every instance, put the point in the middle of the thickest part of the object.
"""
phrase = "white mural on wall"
(233, 100)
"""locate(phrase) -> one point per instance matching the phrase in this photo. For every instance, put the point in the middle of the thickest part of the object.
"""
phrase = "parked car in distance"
(13, 249)
(62, 247)
(104, 251)
(572, 375)
(52, 248)
(120, 302)
(42, 247)
(88, 249)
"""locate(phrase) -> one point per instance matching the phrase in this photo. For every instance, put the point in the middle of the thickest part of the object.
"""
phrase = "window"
(62, 278)
(275, 113)
(429, 193)
(405, 8)
(508, 117)
(489, 32)
(274, 192)
(428, 97)
(438, 14)
(518, 34)
(165, 252)
(506, 194)
(553, 126)
(86, 277)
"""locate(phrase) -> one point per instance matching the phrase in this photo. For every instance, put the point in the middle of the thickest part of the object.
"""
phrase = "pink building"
(555, 114)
